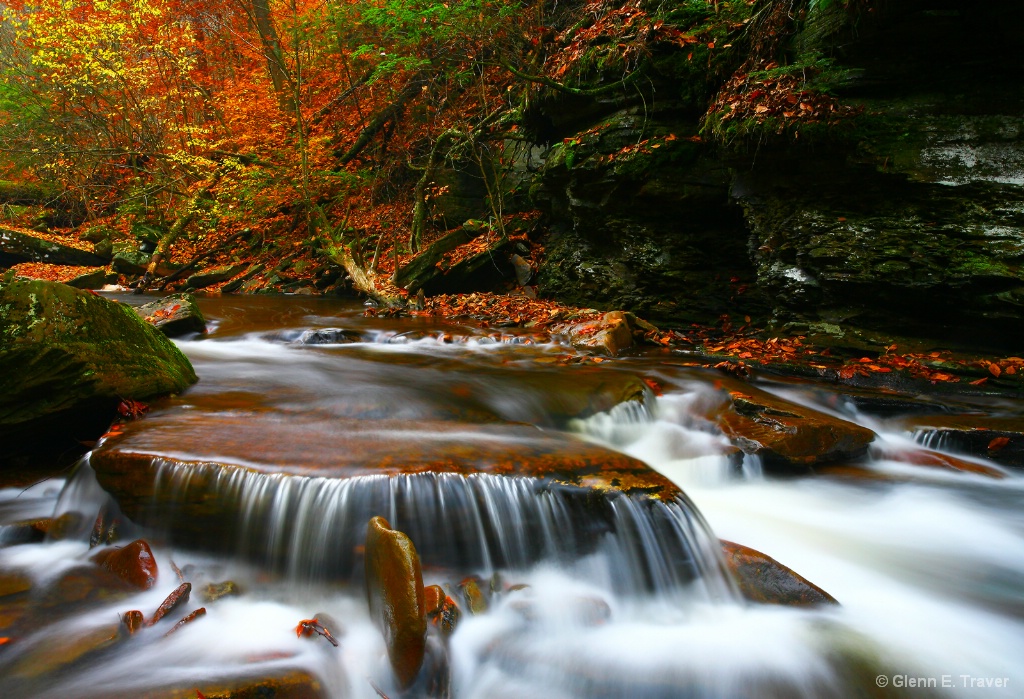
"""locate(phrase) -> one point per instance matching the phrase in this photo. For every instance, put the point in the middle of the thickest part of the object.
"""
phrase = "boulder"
(174, 315)
(95, 279)
(764, 580)
(394, 591)
(16, 246)
(788, 436)
(68, 356)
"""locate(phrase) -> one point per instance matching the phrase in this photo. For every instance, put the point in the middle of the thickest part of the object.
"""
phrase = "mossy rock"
(64, 350)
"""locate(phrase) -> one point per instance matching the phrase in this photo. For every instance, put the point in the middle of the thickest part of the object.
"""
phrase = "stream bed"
(309, 418)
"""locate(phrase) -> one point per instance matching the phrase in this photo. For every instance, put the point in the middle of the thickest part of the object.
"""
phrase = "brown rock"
(394, 590)
(133, 621)
(476, 601)
(176, 598)
(133, 563)
(441, 609)
(61, 649)
(763, 579)
(786, 435)
(612, 334)
(999, 438)
(215, 591)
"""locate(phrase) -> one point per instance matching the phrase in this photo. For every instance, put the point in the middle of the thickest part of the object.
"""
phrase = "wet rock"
(937, 459)
(69, 356)
(764, 580)
(187, 619)
(72, 647)
(327, 336)
(999, 438)
(133, 621)
(13, 583)
(216, 591)
(287, 683)
(611, 335)
(66, 526)
(213, 276)
(785, 435)
(26, 532)
(394, 591)
(174, 315)
(441, 609)
(473, 594)
(432, 455)
(133, 563)
(81, 588)
(16, 246)
(177, 598)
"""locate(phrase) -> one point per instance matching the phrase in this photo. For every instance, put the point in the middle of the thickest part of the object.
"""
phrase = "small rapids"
(590, 592)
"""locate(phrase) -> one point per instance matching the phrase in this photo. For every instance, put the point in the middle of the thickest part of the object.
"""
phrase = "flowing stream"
(617, 596)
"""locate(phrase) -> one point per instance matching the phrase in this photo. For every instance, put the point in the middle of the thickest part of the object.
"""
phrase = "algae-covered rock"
(65, 352)
(394, 590)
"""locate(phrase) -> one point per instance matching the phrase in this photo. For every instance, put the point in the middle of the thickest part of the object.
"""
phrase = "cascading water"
(621, 595)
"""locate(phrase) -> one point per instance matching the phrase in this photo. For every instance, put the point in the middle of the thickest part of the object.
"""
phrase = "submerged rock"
(68, 356)
(394, 591)
(788, 436)
(763, 579)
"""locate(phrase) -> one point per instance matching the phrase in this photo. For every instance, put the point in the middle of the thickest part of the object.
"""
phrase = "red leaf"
(998, 443)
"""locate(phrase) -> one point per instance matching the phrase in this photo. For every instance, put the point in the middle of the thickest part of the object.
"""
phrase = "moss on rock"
(63, 349)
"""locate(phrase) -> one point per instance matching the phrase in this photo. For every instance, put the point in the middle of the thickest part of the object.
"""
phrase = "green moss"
(62, 347)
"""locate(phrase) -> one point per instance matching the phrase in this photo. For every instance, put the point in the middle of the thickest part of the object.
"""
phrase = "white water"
(928, 566)
(929, 569)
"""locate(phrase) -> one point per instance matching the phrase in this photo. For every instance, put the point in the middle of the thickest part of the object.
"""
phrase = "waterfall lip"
(344, 448)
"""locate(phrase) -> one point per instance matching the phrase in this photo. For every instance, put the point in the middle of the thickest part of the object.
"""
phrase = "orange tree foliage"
(310, 122)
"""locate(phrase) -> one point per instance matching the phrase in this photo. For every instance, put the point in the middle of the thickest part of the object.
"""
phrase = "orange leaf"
(998, 443)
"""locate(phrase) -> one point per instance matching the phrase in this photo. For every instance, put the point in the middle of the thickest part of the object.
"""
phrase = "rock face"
(904, 221)
(68, 353)
(394, 591)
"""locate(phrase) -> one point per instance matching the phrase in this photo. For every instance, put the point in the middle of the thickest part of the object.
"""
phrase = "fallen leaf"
(998, 443)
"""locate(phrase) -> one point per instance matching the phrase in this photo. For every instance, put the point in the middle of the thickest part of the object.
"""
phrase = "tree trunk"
(168, 238)
(272, 52)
